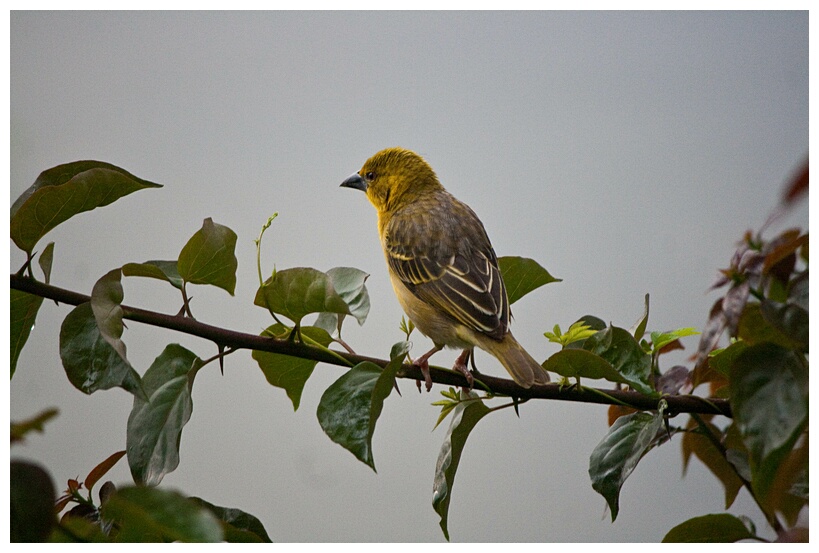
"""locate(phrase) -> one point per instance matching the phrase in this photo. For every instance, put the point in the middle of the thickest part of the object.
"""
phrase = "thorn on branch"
(221, 358)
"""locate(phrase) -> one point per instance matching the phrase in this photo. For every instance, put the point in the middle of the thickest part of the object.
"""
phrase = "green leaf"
(162, 270)
(75, 529)
(285, 371)
(155, 426)
(348, 283)
(769, 399)
(721, 360)
(593, 322)
(522, 275)
(46, 260)
(350, 407)
(451, 399)
(20, 429)
(90, 362)
(756, 328)
(386, 382)
(106, 303)
(208, 257)
(588, 323)
(329, 322)
(297, 292)
(578, 332)
(799, 290)
(32, 498)
(344, 410)
(24, 308)
(719, 528)
(621, 350)
(640, 327)
(788, 318)
(464, 418)
(406, 326)
(153, 515)
(61, 192)
(238, 526)
(614, 458)
(578, 363)
(661, 339)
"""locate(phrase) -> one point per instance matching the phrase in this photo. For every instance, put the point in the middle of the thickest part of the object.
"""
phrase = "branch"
(719, 446)
(500, 386)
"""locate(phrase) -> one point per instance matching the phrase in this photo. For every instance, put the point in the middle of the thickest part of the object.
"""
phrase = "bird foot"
(461, 367)
(423, 364)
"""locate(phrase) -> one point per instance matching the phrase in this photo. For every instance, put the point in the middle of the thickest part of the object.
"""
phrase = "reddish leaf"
(675, 380)
(780, 495)
(617, 411)
(686, 446)
(722, 280)
(794, 535)
(713, 459)
(100, 470)
(671, 346)
(797, 187)
(750, 263)
(717, 384)
(107, 490)
(81, 510)
(708, 341)
(780, 258)
(73, 485)
(733, 305)
(61, 503)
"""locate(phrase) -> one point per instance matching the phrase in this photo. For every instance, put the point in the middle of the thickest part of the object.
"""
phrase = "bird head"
(393, 178)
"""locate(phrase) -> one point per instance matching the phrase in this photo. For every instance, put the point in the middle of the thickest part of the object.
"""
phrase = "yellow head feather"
(395, 177)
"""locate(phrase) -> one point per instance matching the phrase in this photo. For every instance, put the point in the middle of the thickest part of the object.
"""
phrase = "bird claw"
(461, 367)
(423, 365)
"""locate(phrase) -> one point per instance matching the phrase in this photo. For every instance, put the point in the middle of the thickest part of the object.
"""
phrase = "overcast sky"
(626, 152)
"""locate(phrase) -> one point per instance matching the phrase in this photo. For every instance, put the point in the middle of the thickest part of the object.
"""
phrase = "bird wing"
(448, 262)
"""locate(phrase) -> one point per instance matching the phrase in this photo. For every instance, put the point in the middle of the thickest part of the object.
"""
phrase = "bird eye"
(370, 176)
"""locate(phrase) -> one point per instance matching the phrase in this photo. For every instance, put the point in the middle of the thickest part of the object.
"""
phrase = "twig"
(498, 386)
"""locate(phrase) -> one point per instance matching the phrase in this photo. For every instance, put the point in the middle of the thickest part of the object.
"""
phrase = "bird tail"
(516, 360)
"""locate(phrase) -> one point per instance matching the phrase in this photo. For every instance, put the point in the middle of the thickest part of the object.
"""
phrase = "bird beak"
(355, 181)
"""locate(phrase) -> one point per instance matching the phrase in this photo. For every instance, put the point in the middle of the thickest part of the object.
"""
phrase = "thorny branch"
(500, 386)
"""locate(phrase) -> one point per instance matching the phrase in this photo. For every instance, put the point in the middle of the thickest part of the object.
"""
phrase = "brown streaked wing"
(469, 290)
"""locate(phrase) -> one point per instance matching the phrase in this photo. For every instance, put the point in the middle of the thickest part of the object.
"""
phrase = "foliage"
(762, 371)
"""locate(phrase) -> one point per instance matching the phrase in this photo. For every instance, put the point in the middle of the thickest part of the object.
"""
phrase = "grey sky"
(626, 152)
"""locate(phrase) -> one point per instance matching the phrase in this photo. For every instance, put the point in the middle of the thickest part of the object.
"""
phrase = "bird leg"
(423, 364)
(461, 367)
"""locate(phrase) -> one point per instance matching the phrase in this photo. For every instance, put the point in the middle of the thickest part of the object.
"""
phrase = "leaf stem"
(344, 344)
(186, 302)
(26, 266)
(310, 342)
(258, 242)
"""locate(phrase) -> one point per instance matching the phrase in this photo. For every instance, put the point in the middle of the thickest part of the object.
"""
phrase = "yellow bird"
(441, 264)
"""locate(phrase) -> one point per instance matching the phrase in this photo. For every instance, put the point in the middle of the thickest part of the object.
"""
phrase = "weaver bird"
(441, 264)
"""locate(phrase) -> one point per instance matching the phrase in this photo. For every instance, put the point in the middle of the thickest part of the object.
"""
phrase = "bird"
(442, 266)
